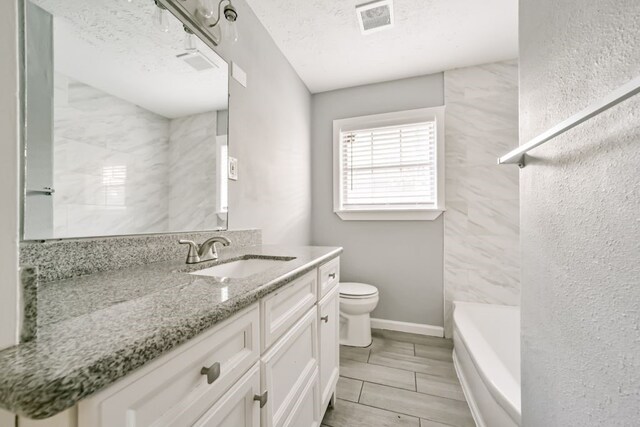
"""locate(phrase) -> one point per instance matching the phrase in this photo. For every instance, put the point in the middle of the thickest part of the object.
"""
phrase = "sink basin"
(241, 268)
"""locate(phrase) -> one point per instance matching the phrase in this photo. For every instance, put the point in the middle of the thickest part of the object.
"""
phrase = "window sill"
(390, 215)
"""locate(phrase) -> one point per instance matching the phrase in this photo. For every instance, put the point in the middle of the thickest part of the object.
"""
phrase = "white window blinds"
(391, 167)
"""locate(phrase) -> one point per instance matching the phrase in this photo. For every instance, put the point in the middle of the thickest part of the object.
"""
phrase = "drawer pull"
(325, 319)
(261, 398)
(212, 372)
(332, 276)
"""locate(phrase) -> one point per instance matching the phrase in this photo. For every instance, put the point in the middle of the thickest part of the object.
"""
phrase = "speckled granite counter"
(95, 329)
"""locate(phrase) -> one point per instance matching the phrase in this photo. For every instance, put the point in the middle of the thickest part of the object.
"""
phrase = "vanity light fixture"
(230, 14)
(200, 19)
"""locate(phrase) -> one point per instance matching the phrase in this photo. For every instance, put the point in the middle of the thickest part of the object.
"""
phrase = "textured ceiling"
(322, 40)
(113, 46)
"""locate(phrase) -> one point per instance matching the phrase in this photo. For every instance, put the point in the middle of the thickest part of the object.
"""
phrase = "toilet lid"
(357, 289)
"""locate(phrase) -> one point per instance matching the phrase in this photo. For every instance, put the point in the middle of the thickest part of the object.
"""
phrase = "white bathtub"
(486, 356)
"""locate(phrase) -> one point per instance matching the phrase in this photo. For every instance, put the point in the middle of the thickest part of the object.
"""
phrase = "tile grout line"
(409, 370)
(398, 388)
(401, 413)
(390, 411)
(373, 382)
(404, 413)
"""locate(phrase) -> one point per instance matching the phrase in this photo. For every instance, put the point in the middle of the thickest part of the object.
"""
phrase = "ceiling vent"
(197, 60)
(375, 16)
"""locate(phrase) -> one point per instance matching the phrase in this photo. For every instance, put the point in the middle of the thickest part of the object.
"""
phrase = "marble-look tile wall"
(194, 203)
(481, 227)
(111, 162)
(121, 169)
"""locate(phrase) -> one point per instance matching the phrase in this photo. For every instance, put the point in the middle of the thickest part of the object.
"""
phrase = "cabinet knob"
(325, 319)
(332, 276)
(212, 372)
(262, 398)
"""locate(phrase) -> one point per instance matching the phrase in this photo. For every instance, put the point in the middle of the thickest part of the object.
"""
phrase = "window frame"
(436, 114)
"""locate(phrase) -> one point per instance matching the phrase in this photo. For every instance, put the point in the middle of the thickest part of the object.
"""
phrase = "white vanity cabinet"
(274, 364)
(173, 390)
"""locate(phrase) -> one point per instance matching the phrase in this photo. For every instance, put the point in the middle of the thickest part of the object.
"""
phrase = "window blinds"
(390, 167)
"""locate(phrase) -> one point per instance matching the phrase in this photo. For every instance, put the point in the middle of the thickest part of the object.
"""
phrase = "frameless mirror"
(126, 122)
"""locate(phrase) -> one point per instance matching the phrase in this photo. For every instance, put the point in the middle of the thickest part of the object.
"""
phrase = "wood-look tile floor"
(400, 380)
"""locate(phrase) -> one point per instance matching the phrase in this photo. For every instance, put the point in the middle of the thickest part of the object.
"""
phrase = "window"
(389, 166)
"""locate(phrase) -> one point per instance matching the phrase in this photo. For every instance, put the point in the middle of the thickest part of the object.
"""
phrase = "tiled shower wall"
(194, 203)
(110, 162)
(121, 169)
(481, 227)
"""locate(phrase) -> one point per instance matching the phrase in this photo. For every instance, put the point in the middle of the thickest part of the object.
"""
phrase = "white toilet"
(357, 301)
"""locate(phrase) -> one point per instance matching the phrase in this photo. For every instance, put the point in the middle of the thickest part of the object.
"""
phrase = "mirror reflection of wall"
(139, 141)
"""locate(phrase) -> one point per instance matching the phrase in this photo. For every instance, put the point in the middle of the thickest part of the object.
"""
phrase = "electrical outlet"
(233, 168)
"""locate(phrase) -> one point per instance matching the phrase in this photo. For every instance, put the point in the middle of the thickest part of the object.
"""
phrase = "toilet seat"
(352, 290)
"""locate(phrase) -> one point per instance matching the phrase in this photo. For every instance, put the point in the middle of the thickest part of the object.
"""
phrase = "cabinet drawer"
(283, 308)
(287, 368)
(306, 411)
(329, 337)
(172, 390)
(237, 407)
(328, 276)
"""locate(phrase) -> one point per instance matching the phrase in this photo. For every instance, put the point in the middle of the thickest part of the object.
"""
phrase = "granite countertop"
(94, 329)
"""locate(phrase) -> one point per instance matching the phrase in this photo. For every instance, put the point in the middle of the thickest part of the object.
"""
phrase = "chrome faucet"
(204, 252)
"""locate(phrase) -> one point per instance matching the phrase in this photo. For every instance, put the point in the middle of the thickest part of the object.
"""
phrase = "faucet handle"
(193, 256)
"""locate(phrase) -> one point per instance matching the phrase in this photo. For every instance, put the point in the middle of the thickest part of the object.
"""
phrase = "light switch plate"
(233, 168)
(238, 74)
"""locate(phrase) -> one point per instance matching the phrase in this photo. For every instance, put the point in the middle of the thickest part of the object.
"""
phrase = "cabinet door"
(306, 411)
(287, 368)
(329, 322)
(237, 408)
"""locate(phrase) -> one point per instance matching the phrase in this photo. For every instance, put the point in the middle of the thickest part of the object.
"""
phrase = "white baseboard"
(412, 328)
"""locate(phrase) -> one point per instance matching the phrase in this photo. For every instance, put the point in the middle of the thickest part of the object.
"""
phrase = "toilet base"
(355, 330)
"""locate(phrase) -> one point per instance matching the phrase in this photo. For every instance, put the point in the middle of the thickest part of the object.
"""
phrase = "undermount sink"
(242, 268)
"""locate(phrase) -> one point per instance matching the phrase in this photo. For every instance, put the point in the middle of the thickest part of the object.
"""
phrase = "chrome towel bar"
(622, 93)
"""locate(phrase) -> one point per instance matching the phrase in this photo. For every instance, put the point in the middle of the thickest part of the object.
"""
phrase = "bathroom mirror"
(126, 119)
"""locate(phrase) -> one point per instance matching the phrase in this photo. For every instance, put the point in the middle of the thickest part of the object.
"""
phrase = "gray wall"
(580, 223)
(402, 258)
(270, 135)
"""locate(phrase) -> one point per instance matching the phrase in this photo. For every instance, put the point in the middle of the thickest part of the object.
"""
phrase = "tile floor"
(402, 380)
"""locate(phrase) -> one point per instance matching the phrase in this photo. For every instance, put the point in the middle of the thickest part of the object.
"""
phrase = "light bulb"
(206, 8)
(189, 42)
(230, 31)
(161, 19)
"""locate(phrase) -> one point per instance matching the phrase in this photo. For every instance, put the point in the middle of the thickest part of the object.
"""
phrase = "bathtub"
(486, 355)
